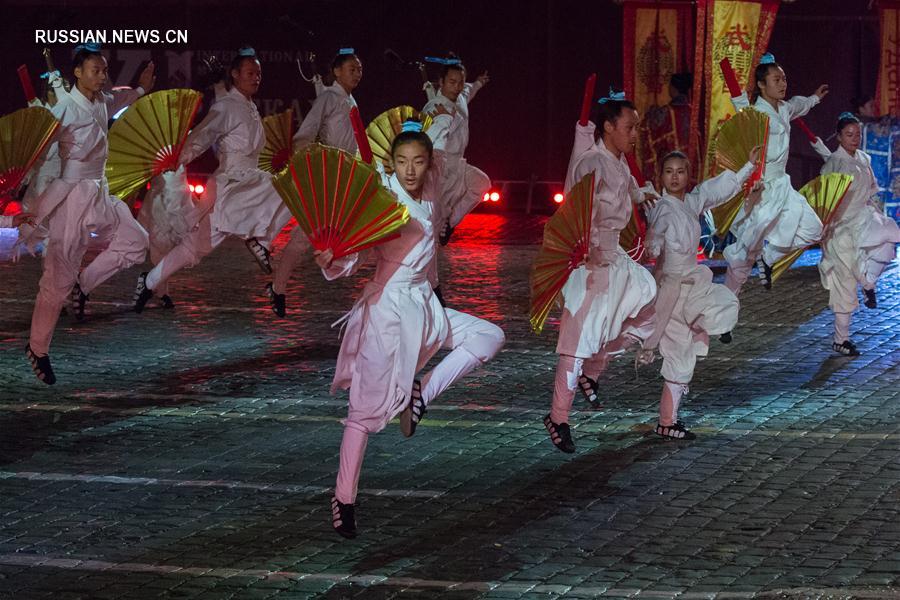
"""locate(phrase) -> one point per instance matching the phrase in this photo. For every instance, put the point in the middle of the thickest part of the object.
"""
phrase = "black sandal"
(675, 432)
(79, 299)
(847, 348)
(589, 388)
(343, 518)
(142, 293)
(871, 298)
(261, 254)
(277, 300)
(41, 366)
(414, 412)
(560, 435)
(765, 274)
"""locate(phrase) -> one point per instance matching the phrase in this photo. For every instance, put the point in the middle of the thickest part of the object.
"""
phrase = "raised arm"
(312, 122)
(210, 130)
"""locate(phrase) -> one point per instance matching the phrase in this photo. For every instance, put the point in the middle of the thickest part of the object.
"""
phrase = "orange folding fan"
(735, 139)
(385, 127)
(824, 194)
(279, 130)
(148, 138)
(24, 135)
(339, 201)
(566, 238)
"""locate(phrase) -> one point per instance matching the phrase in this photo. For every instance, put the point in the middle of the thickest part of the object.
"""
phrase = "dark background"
(538, 53)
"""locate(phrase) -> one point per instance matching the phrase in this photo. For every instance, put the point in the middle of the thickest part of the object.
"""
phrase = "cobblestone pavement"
(190, 453)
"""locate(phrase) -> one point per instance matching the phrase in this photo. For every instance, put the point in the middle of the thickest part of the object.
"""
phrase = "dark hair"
(236, 63)
(408, 137)
(83, 55)
(858, 101)
(844, 121)
(682, 82)
(339, 59)
(674, 154)
(759, 76)
(610, 111)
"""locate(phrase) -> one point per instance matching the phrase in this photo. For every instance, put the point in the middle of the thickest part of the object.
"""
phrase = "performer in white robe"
(603, 297)
(859, 242)
(328, 122)
(782, 221)
(239, 199)
(77, 205)
(463, 185)
(689, 307)
(398, 324)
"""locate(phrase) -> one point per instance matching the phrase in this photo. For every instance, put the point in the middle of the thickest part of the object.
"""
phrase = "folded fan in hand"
(339, 201)
(566, 238)
(385, 127)
(279, 130)
(147, 139)
(824, 194)
(735, 139)
(24, 135)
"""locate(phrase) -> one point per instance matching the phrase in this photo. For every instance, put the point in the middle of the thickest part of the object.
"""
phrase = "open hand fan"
(735, 139)
(279, 130)
(385, 127)
(824, 194)
(339, 201)
(566, 238)
(147, 139)
(24, 135)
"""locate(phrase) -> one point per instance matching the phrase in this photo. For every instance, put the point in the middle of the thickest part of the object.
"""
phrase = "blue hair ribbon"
(443, 61)
(246, 51)
(415, 126)
(87, 47)
(848, 115)
(49, 73)
(767, 59)
(613, 97)
(344, 51)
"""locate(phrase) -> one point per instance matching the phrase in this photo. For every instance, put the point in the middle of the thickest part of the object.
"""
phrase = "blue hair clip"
(346, 51)
(848, 115)
(246, 51)
(443, 61)
(767, 59)
(613, 96)
(49, 73)
(88, 47)
(415, 126)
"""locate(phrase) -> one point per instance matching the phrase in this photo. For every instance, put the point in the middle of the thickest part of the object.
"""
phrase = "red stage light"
(191, 187)
(487, 197)
(199, 189)
(495, 196)
(558, 198)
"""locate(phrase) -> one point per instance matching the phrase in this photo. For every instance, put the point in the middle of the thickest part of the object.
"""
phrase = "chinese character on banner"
(887, 94)
(738, 30)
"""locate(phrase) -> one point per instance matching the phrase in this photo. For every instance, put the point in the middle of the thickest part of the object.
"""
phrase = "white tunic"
(858, 232)
(689, 307)
(611, 288)
(242, 198)
(397, 324)
(328, 120)
(81, 192)
(795, 223)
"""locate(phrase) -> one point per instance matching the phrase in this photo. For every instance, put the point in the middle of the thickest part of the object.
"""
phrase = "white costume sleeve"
(442, 128)
(312, 122)
(741, 101)
(668, 283)
(346, 265)
(318, 85)
(119, 99)
(470, 89)
(584, 141)
(821, 149)
(800, 105)
(718, 190)
(209, 131)
(429, 90)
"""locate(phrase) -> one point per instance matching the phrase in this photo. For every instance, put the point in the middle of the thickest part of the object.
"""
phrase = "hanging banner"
(887, 91)
(658, 43)
(739, 31)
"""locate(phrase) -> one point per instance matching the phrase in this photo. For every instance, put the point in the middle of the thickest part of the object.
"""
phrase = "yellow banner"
(889, 70)
(732, 34)
(655, 56)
